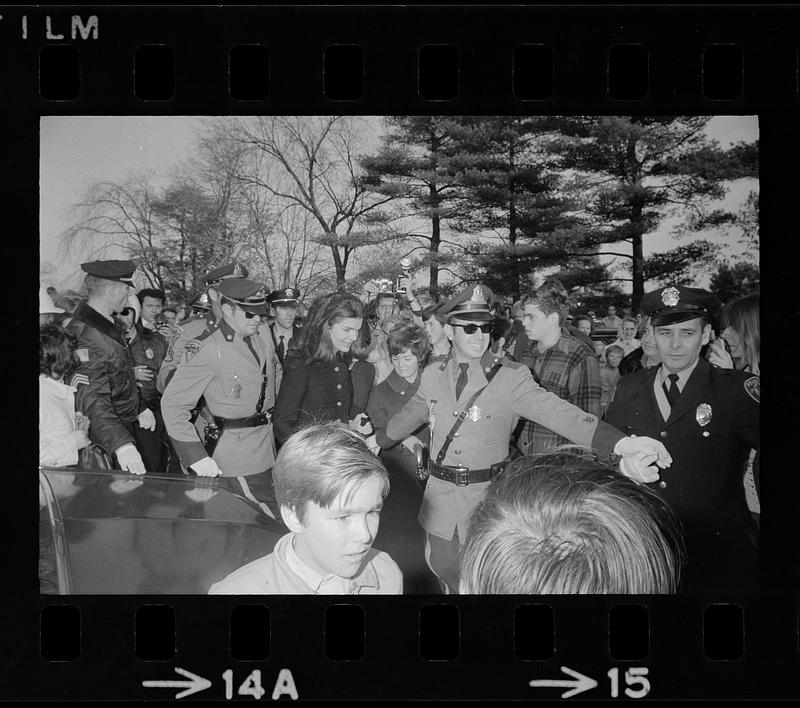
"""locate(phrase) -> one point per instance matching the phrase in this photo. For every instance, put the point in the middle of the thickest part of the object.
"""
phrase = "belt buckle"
(462, 476)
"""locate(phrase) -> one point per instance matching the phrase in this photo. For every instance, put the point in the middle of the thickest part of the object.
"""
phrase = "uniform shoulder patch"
(190, 349)
(753, 388)
(82, 354)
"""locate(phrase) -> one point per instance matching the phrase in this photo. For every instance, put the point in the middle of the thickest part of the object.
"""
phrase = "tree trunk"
(638, 272)
(512, 240)
(436, 239)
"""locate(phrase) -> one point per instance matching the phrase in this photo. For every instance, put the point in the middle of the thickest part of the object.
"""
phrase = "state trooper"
(189, 330)
(472, 401)
(233, 368)
(707, 417)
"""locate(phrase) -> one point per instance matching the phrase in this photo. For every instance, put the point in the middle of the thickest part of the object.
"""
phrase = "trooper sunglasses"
(249, 315)
(486, 327)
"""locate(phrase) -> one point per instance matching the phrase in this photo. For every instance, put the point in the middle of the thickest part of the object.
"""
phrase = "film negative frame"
(726, 647)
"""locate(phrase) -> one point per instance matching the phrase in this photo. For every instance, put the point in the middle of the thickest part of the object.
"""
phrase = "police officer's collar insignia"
(289, 292)
(237, 271)
(475, 414)
(191, 348)
(703, 414)
(148, 353)
(670, 297)
(753, 388)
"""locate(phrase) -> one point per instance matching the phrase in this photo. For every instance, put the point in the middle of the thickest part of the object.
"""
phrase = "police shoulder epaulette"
(511, 364)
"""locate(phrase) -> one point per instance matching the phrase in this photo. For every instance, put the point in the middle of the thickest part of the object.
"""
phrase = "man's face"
(612, 311)
(537, 325)
(628, 331)
(585, 326)
(237, 318)
(679, 344)
(284, 315)
(435, 330)
(336, 539)
(171, 318)
(151, 306)
(468, 347)
(384, 308)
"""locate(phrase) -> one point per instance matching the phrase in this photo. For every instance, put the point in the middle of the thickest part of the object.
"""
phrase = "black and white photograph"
(399, 355)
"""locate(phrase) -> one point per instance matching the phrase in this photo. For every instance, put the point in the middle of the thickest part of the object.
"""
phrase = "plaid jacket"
(570, 370)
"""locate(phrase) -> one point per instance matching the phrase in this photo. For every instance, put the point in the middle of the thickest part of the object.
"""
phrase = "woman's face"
(613, 359)
(406, 365)
(731, 336)
(344, 332)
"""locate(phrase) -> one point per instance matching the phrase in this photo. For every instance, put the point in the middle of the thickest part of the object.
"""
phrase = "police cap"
(284, 296)
(677, 303)
(229, 270)
(247, 294)
(121, 271)
(472, 304)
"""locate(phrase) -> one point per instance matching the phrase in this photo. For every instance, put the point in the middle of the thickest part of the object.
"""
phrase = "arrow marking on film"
(193, 685)
(579, 685)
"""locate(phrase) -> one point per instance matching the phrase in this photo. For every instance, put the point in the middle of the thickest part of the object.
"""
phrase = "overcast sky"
(77, 151)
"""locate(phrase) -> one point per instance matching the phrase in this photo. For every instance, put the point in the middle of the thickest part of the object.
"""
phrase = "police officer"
(233, 368)
(708, 419)
(284, 327)
(105, 380)
(472, 401)
(189, 330)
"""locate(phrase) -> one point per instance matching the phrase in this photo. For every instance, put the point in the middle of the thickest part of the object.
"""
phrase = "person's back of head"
(742, 316)
(563, 523)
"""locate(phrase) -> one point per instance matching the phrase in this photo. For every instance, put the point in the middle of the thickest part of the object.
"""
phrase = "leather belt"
(463, 476)
(251, 421)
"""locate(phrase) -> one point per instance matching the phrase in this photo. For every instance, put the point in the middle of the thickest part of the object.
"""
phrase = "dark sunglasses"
(249, 315)
(486, 327)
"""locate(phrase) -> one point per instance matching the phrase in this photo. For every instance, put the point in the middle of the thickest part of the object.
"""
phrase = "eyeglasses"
(486, 327)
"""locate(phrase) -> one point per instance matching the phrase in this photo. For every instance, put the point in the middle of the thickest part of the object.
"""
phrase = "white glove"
(147, 419)
(206, 467)
(373, 446)
(130, 459)
(200, 494)
(81, 439)
(356, 426)
(639, 457)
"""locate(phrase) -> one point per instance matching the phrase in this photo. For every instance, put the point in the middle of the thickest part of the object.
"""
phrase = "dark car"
(604, 334)
(113, 532)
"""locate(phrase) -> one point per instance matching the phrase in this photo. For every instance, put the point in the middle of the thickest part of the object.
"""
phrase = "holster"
(211, 436)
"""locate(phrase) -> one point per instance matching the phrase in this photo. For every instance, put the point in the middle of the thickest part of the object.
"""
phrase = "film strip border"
(443, 648)
(705, 59)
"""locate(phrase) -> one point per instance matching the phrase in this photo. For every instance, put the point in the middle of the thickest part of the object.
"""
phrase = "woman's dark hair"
(405, 337)
(314, 341)
(57, 357)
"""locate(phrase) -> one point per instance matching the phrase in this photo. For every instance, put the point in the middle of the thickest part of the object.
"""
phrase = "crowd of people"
(415, 446)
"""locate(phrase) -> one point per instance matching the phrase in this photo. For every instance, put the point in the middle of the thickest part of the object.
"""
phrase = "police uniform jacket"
(105, 380)
(226, 369)
(148, 348)
(319, 391)
(483, 437)
(276, 339)
(188, 331)
(704, 484)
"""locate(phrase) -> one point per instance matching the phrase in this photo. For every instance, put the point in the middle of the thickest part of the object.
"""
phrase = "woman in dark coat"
(324, 375)
(400, 533)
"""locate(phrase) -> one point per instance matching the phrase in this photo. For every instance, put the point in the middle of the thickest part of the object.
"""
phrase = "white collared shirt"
(658, 386)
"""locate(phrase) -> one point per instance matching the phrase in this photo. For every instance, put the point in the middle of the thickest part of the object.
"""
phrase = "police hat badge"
(670, 297)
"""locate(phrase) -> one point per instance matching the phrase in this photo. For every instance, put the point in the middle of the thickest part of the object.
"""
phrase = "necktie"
(462, 380)
(673, 392)
(281, 349)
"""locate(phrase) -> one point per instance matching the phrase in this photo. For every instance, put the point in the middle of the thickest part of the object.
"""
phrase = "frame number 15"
(636, 681)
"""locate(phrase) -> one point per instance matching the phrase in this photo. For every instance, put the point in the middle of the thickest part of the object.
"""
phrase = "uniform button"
(455, 414)
(458, 452)
(229, 337)
(339, 386)
(402, 393)
(663, 433)
(336, 368)
(705, 433)
(488, 368)
(456, 435)
(339, 403)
